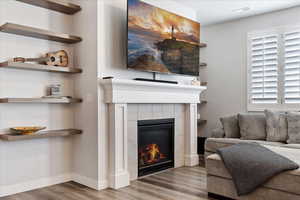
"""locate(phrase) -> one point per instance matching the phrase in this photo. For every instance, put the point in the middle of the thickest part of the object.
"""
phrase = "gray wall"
(226, 56)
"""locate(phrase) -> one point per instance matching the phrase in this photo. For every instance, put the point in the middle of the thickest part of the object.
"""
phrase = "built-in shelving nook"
(202, 122)
(34, 32)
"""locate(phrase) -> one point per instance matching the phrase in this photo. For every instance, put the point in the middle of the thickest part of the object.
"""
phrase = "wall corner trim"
(89, 182)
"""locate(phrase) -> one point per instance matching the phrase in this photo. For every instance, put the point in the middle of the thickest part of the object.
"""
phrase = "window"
(274, 70)
(292, 67)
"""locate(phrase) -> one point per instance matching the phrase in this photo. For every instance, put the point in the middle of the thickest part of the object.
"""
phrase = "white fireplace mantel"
(119, 92)
(131, 91)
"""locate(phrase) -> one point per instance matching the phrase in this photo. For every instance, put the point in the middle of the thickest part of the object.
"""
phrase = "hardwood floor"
(186, 183)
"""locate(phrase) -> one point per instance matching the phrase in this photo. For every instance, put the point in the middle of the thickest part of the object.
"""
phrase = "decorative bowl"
(27, 130)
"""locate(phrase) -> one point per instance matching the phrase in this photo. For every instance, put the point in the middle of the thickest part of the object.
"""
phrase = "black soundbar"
(158, 81)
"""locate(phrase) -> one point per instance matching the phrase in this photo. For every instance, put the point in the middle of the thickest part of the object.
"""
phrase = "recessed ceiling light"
(239, 10)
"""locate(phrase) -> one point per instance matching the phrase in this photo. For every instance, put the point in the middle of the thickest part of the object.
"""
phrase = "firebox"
(155, 145)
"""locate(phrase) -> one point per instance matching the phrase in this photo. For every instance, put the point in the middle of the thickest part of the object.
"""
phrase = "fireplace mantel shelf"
(131, 91)
(119, 92)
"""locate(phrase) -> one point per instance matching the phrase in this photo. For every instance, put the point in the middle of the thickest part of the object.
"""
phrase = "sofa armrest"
(218, 133)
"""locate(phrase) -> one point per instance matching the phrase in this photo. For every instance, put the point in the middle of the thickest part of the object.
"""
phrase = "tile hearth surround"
(129, 101)
(154, 111)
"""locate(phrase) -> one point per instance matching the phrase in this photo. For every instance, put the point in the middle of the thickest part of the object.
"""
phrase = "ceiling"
(218, 11)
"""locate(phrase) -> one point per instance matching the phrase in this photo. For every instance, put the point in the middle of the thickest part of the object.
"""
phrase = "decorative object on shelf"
(26, 130)
(54, 90)
(39, 33)
(196, 82)
(203, 83)
(202, 45)
(57, 58)
(203, 64)
(56, 5)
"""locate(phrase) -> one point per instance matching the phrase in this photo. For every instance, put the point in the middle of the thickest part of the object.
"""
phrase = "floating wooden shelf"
(203, 64)
(37, 67)
(202, 45)
(201, 122)
(67, 8)
(203, 83)
(42, 134)
(39, 33)
(203, 102)
(41, 100)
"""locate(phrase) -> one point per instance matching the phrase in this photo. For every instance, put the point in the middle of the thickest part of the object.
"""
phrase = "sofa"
(278, 134)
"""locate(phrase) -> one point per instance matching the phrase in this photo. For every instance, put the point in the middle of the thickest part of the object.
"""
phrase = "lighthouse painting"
(161, 41)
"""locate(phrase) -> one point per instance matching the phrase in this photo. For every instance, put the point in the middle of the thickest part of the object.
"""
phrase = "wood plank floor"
(186, 183)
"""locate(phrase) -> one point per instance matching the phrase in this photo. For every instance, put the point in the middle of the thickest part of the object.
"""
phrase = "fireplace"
(155, 145)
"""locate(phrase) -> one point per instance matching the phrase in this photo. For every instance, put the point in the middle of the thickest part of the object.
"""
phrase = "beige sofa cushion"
(293, 119)
(225, 187)
(288, 181)
(293, 146)
(218, 133)
(212, 144)
(252, 126)
(276, 126)
(231, 126)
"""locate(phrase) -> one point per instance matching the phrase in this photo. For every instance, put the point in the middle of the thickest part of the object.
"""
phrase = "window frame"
(280, 105)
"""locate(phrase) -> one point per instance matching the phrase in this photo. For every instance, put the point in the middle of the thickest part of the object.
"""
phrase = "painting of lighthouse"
(161, 41)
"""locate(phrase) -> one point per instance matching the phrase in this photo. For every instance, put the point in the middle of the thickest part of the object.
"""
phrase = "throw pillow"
(252, 126)
(293, 119)
(218, 133)
(276, 126)
(231, 126)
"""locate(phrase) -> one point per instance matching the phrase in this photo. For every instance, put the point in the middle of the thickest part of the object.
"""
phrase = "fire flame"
(150, 154)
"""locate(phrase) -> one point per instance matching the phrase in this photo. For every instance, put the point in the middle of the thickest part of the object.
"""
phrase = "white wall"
(226, 58)
(34, 163)
(112, 58)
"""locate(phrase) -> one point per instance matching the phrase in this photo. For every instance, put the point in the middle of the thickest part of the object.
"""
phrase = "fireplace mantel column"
(118, 151)
(191, 157)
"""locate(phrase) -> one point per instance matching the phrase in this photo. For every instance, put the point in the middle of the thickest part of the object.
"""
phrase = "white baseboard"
(45, 182)
(35, 184)
(92, 183)
(191, 160)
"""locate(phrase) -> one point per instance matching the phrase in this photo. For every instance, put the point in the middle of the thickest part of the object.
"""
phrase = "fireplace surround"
(155, 145)
(119, 94)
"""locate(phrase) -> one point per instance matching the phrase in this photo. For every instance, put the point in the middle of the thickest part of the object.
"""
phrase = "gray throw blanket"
(251, 165)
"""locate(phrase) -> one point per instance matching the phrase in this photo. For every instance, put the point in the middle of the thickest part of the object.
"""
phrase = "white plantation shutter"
(292, 67)
(264, 69)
